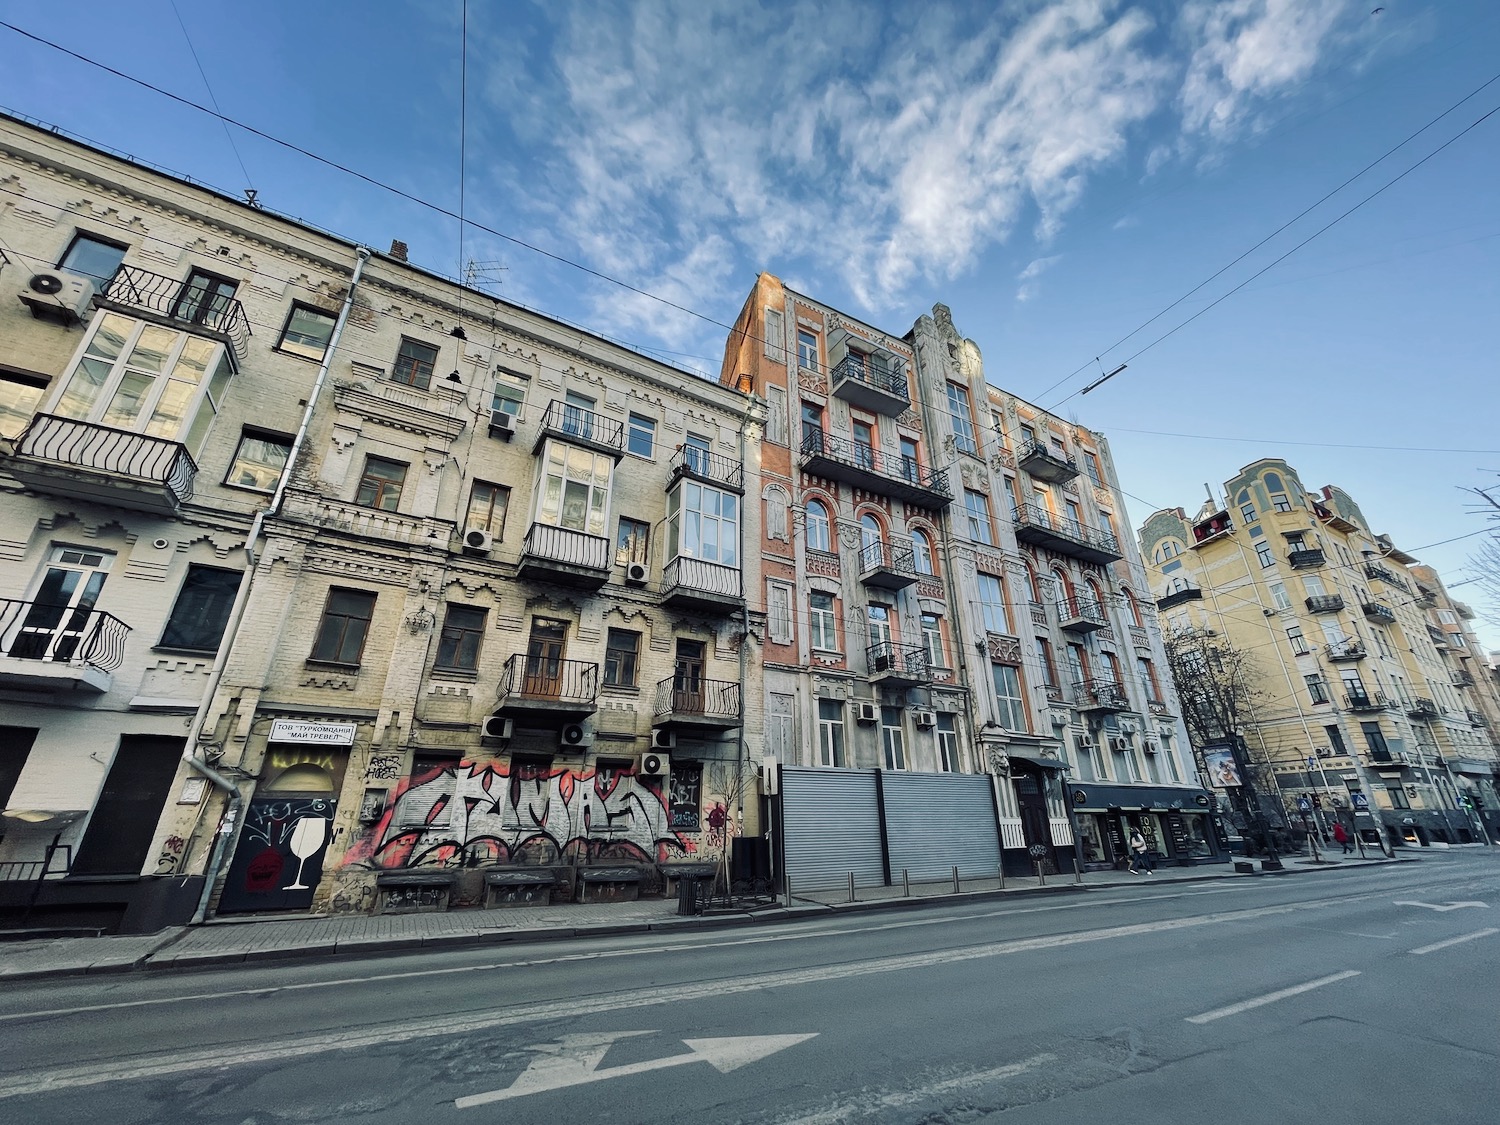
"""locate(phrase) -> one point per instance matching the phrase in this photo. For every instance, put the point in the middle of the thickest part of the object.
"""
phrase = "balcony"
(1386, 758)
(699, 464)
(1039, 527)
(703, 587)
(866, 382)
(886, 566)
(1422, 708)
(873, 470)
(1214, 527)
(1462, 679)
(54, 647)
(1081, 615)
(690, 702)
(66, 457)
(559, 554)
(1325, 603)
(1375, 611)
(1384, 574)
(1100, 695)
(1438, 637)
(1476, 718)
(1426, 598)
(897, 666)
(1177, 597)
(367, 523)
(168, 301)
(1043, 464)
(1366, 701)
(577, 425)
(1305, 560)
(547, 689)
(1340, 652)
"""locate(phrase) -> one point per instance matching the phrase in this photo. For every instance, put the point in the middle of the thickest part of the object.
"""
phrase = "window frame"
(1011, 710)
(988, 524)
(286, 327)
(328, 616)
(488, 526)
(254, 433)
(80, 235)
(14, 404)
(957, 395)
(466, 639)
(804, 338)
(822, 622)
(992, 609)
(893, 739)
(622, 661)
(637, 547)
(832, 744)
(947, 741)
(824, 521)
(413, 364)
(636, 424)
(218, 616)
(380, 483)
(703, 522)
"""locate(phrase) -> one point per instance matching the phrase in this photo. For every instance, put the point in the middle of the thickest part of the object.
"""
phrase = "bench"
(414, 890)
(512, 886)
(611, 884)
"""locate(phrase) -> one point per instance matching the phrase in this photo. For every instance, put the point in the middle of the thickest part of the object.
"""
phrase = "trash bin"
(689, 895)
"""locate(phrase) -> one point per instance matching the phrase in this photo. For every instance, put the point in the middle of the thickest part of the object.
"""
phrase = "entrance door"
(204, 298)
(687, 677)
(58, 617)
(279, 858)
(911, 468)
(544, 658)
(864, 445)
(118, 838)
(1031, 801)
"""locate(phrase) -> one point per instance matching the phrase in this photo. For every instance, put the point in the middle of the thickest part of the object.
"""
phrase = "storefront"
(1178, 824)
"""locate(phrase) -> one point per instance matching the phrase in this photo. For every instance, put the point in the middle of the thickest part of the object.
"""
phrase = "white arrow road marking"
(1443, 909)
(1435, 946)
(576, 1060)
(1271, 997)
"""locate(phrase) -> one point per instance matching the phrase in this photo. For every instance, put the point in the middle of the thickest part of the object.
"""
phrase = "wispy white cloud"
(1034, 269)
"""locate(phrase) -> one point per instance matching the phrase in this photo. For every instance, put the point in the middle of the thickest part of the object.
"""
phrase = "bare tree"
(1485, 562)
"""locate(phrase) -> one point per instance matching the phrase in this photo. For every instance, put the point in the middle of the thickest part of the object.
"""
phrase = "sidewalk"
(239, 941)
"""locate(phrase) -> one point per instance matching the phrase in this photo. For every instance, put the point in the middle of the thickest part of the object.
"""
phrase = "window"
(1279, 596)
(641, 435)
(871, 542)
(1167, 550)
(696, 453)
(819, 531)
(1317, 690)
(864, 444)
(1028, 435)
(821, 624)
(992, 604)
(508, 397)
(1075, 513)
(1336, 740)
(622, 650)
(1296, 541)
(345, 625)
(911, 459)
(1008, 697)
(978, 506)
(963, 418)
(932, 639)
(93, 258)
(1247, 509)
(685, 797)
(573, 489)
(892, 738)
(458, 643)
(259, 461)
(380, 484)
(878, 619)
(632, 542)
(1091, 465)
(488, 504)
(830, 732)
(1049, 666)
(1010, 495)
(20, 394)
(1298, 641)
(204, 298)
(1148, 679)
(776, 424)
(947, 741)
(921, 552)
(807, 350)
(1281, 503)
(779, 612)
(414, 363)
(1397, 797)
(775, 342)
(1314, 586)
(307, 332)
(1375, 739)
(703, 523)
(1263, 553)
(812, 426)
(201, 612)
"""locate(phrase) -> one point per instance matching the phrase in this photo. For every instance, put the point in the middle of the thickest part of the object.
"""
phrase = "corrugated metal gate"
(935, 822)
(830, 826)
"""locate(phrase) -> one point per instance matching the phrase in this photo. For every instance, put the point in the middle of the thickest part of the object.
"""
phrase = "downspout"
(242, 599)
(751, 417)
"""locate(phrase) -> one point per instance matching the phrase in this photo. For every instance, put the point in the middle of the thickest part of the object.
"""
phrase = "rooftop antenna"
(476, 272)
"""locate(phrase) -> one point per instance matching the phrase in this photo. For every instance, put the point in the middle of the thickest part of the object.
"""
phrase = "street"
(1361, 995)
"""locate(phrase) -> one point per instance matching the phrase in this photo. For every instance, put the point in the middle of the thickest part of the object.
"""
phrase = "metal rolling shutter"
(937, 821)
(830, 827)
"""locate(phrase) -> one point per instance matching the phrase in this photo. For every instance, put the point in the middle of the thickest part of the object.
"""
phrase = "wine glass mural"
(306, 841)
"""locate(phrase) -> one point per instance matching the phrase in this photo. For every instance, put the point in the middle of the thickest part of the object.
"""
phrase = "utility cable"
(249, 183)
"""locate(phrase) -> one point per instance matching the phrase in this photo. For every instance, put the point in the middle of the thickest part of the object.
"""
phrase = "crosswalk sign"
(1304, 804)
(1359, 800)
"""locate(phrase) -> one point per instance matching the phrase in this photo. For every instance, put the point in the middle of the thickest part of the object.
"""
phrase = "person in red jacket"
(1341, 834)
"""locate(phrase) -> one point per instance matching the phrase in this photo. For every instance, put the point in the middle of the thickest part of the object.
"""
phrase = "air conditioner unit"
(1085, 742)
(1119, 744)
(867, 713)
(1150, 746)
(497, 726)
(925, 719)
(575, 736)
(477, 541)
(655, 765)
(663, 739)
(883, 662)
(58, 295)
(502, 424)
(636, 573)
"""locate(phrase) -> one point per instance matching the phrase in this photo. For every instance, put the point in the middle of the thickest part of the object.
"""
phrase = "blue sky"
(1057, 173)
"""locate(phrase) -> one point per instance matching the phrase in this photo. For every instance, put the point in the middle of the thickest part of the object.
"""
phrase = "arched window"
(1273, 483)
(1134, 607)
(871, 541)
(1247, 508)
(1034, 585)
(819, 527)
(1096, 596)
(921, 552)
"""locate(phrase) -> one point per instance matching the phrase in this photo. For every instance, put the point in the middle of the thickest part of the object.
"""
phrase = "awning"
(1038, 761)
(1154, 798)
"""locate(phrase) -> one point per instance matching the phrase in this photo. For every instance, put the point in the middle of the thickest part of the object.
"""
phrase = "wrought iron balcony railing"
(1385, 574)
(685, 577)
(1177, 597)
(1305, 560)
(889, 659)
(1344, 650)
(872, 468)
(1422, 708)
(1366, 701)
(1098, 694)
(1462, 679)
(1375, 611)
(690, 697)
(1325, 603)
(1036, 524)
(712, 468)
(104, 449)
(564, 545)
(138, 290)
(59, 634)
(870, 371)
(548, 680)
(895, 557)
(582, 426)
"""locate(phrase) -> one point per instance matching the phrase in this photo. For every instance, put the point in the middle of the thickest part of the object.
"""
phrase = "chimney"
(398, 250)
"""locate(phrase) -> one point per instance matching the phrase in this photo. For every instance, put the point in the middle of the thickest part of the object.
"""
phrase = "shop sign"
(324, 734)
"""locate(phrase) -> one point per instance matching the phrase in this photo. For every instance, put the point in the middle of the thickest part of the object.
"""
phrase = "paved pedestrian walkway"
(236, 941)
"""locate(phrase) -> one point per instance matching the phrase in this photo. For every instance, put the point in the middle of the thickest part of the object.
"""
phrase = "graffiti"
(718, 818)
(383, 767)
(405, 899)
(171, 855)
(476, 815)
(685, 799)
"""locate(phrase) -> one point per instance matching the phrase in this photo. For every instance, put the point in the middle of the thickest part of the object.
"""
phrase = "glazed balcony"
(701, 465)
(1042, 463)
(1039, 527)
(1081, 615)
(53, 647)
(895, 665)
(578, 425)
(1343, 652)
(887, 566)
(176, 304)
(1100, 695)
(1325, 603)
(1375, 611)
(548, 690)
(1366, 701)
(559, 554)
(66, 457)
(1305, 560)
(691, 702)
(872, 470)
(1423, 708)
(703, 587)
(869, 382)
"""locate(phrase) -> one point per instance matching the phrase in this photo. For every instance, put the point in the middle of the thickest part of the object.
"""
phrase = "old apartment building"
(318, 569)
(1364, 705)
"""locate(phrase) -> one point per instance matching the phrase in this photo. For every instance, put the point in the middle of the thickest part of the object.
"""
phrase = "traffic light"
(1317, 801)
(1465, 801)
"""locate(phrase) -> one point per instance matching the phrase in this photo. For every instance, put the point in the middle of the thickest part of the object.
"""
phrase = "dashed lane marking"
(1271, 997)
(1435, 946)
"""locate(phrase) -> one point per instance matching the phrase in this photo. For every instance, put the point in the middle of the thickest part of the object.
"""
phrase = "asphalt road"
(1367, 995)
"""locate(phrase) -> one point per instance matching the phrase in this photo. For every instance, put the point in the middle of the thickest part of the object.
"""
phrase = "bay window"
(703, 523)
(573, 488)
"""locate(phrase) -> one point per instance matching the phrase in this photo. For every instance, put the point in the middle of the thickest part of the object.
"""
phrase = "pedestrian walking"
(1140, 854)
(1341, 834)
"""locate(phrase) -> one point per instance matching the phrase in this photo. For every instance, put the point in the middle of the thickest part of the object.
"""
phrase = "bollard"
(851, 886)
(1077, 871)
(1002, 873)
(905, 884)
(955, 880)
(1040, 878)
(786, 880)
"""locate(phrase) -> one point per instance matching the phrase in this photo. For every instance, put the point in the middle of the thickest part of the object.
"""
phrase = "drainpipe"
(753, 414)
(242, 599)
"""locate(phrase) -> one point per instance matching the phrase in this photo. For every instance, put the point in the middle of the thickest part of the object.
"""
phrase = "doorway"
(118, 838)
(687, 677)
(57, 618)
(544, 658)
(1031, 802)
